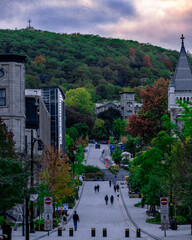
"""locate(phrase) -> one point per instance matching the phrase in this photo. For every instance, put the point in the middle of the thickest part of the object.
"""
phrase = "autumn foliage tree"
(56, 173)
(147, 61)
(155, 104)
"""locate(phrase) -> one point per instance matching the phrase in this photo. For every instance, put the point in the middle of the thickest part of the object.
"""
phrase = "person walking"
(117, 195)
(110, 182)
(115, 188)
(111, 199)
(75, 219)
(64, 221)
(98, 187)
(106, 199)
(95, 188)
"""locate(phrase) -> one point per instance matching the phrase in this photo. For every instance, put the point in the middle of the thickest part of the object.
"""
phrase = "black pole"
(32, 184)
(23, 222)
(27, 218)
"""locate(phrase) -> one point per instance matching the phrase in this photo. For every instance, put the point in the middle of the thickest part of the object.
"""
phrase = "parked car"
(92, 141)
(97, 145)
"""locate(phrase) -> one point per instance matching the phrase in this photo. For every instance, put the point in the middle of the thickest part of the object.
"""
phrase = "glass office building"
(53, 97)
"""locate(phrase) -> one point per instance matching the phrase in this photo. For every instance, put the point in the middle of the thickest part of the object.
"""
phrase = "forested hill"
(102, 65)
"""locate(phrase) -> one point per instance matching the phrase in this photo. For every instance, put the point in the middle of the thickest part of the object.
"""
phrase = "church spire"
(182, 40)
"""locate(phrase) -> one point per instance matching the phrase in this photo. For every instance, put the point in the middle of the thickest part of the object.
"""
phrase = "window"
(2, 97)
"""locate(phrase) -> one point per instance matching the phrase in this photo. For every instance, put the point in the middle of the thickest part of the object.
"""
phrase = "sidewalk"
(17, 235)
(138, 217)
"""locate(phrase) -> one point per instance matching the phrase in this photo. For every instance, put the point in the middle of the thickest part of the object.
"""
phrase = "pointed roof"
(183, 78)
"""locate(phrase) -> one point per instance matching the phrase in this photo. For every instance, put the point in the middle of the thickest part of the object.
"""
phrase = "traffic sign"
(164, 201)
(48, 200)
(48, 213)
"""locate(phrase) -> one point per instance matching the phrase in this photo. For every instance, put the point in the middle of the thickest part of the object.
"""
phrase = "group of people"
(96, 188)
(107, 199)
(75, 220)
(116, 190)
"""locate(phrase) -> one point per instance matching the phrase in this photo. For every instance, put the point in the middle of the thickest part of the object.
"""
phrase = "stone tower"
(180, 86)
(127, 104)
(12, 95)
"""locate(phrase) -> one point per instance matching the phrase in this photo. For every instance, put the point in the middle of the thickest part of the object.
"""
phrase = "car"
(92, 141)
(97, 145)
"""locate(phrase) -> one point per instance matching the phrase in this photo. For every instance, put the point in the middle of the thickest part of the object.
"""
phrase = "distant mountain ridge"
(86, 60)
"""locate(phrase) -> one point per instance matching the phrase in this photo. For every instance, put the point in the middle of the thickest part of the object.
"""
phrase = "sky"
(158, 22)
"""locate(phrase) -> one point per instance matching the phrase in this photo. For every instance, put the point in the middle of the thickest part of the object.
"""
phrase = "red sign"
(48, 201)
(164, 201)
(106, 159)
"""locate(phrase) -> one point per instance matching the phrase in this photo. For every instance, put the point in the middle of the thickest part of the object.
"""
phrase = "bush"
(114, 169)
(181, 220)
(155, 220)
(91, 169)
(36, 224)
(2, 220)
(138, 204)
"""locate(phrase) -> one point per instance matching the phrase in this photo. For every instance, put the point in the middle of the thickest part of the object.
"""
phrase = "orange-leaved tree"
(56, 173)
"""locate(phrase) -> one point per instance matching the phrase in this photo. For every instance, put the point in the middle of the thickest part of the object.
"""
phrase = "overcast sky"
(159, 22)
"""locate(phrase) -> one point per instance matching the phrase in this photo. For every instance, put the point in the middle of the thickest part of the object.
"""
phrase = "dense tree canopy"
(75, 60)
(155, 104)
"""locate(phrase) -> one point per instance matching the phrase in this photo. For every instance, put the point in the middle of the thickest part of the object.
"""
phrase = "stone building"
(12, 95)
(127, 104)
(180, 86)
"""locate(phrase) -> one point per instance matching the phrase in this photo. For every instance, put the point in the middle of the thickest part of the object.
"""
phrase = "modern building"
(180, 86)
(53, 98)
(37, 120)
(12, 95)
(127, 104)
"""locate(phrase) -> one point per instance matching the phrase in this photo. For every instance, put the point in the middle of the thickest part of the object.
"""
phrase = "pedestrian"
(111, 199)
(64, 221)
(95, 188)
(117, 195)
(75, 219)
(109, 182)
(106, 199)
(98, 187)
(115, 188)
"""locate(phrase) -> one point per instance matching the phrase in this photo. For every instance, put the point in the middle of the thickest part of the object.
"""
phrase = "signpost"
(164, 204)
(48, 213)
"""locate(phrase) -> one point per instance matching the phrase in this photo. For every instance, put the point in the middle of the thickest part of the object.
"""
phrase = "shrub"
(181, 220)
(2, 220)
(114, 169)
(91, 169)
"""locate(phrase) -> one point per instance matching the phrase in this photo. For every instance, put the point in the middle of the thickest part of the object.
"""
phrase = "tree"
(147, 61)
(7, 144)
(116, 155)
(56, 174)
(13, 182)
(119, 128)
(148, 121)
(13, 173)
(81, 99)
(99, 129)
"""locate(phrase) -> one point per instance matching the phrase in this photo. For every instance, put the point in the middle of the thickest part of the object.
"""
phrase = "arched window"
(188, 99)
(181, 98)
(184, 99)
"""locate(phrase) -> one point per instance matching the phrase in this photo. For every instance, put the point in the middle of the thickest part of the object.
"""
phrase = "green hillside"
(103, 65)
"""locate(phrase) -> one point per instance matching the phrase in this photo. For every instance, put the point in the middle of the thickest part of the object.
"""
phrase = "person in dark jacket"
(106, 199)
(75, 219)
(111, 199)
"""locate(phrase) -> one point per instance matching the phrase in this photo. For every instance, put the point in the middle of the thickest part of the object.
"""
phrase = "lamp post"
(32, 230)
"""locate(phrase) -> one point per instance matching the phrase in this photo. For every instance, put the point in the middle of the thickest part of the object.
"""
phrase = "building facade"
(53, 98)
(37, 120)
(12, 96)
(127, 104)
(180, 86)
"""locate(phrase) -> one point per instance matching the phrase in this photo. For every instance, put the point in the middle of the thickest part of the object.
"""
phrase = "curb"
(133, 222)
